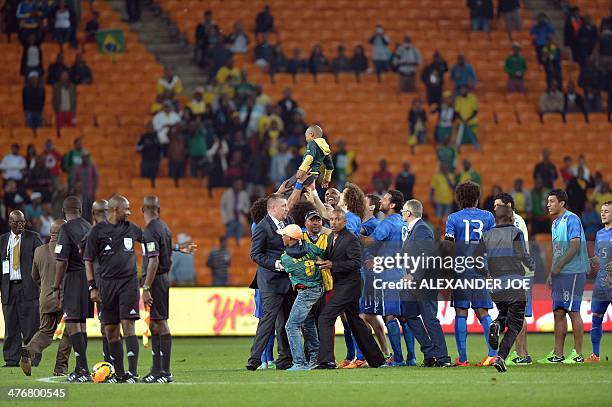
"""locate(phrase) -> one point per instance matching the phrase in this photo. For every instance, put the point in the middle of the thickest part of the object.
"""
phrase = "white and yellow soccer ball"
(102, 371)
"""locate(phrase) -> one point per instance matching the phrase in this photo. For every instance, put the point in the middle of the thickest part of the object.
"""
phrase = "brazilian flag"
(110, 41)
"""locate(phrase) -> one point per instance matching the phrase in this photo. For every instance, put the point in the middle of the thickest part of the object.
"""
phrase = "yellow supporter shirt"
(197, 107)
(443, 193)
(465, 106)
(600, 199)
(224, 74)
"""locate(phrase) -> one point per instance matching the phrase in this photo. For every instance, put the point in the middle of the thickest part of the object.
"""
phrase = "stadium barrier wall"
(228, 311)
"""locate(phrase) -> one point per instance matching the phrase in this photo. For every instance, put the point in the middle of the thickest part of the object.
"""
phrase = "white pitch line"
(54, 379)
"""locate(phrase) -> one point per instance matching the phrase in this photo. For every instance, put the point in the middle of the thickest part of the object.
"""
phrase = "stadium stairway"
(164, 40)
(554, 13)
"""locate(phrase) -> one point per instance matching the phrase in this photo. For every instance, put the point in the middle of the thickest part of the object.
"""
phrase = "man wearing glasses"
(19, 291)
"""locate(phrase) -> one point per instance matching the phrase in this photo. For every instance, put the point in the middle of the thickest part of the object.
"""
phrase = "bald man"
(43, 274)
(70, 277)
(18, 289)
(156, 261)
(112, 243)
(317, 160)
(99, 213)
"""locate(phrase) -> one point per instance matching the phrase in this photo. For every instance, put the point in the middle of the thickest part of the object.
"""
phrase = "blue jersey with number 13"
(466, 228)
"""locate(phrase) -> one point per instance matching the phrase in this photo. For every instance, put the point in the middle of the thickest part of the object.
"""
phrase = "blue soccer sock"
(461, 337)
(596, 334)
(409, 339)
(395, 338)
(486, 322)
(358, 352)
(348, 340)
(269, 351)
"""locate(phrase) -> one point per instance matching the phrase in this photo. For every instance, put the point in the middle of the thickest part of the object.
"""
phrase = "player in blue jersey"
(465, 228)
(387, 240)
(371, 299)
(567, 276)
(602, 292)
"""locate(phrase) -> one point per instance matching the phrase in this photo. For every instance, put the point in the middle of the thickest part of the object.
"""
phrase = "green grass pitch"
(210, 372)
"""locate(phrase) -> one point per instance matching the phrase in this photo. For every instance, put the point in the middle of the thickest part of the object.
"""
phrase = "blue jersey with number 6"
(466, 228)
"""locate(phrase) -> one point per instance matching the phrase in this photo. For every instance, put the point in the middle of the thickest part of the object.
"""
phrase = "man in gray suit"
(273, 283)
(43, 273)
(426, 329)
(19, 291)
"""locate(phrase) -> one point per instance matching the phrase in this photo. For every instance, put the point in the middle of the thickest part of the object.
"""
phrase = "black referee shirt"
(158, 243)
(68, 247)
(113, 247)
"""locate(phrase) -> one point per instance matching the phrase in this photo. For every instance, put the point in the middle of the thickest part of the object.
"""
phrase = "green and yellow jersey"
(317, 159)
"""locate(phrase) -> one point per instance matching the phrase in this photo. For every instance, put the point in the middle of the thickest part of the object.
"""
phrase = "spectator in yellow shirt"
(466, 111)
(441, 193)
(197, 104)
(229, 74)
(602, 195)
(264, 121)
(169, 84)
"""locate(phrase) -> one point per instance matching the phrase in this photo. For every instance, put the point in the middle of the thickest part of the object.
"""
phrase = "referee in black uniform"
(112, 244)
(99, 213)
(156, 261)
(70, 271)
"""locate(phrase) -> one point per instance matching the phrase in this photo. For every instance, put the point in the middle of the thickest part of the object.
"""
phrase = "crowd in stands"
(586, 191)
(33, 184)
(35, 22)
(591, 49)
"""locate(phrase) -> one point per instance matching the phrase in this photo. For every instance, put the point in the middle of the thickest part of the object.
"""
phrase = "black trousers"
(276, 310)
(21, 320)
(511, 316)
(346, 300)
(132, 8)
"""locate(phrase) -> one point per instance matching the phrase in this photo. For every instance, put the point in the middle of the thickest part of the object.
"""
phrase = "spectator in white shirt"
(61, 29)
(586, 173)
(406, 60)
(279, 163)
(13, 165)
(162, 122)
(239, 41)
(182, 271)
(380, 51)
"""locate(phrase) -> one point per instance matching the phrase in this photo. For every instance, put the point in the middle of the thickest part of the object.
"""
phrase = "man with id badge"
(19, 291)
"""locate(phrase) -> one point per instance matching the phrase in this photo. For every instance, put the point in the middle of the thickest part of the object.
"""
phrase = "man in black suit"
(343, 257)
(19, 291)
(273, 283)
(427, 329)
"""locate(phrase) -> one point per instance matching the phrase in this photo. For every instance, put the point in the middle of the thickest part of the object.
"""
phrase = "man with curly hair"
(352, 201)
(464, 229)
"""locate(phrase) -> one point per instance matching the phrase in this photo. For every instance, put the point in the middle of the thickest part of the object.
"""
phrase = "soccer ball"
(102, 371)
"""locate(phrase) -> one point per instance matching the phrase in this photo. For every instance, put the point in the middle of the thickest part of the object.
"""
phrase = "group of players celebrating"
(97, 265)
(504, 238)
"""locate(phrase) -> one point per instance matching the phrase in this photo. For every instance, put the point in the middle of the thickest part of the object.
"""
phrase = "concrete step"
(189, 70)
(163, 39)
(174, 47)
(174, 59)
